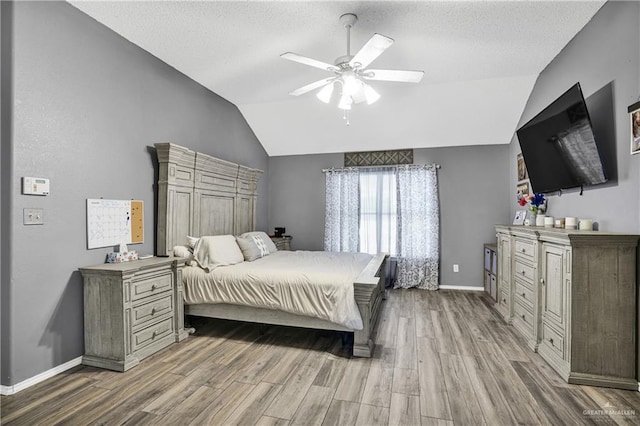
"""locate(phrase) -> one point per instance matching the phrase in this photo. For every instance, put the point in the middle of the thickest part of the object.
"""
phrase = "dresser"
(131, 311)
(282, 243)
(572, 296)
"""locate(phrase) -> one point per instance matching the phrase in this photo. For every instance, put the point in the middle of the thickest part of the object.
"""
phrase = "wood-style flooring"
(443, 358)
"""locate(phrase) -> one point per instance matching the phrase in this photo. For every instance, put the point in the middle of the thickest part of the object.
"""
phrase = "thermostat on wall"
(35, 186)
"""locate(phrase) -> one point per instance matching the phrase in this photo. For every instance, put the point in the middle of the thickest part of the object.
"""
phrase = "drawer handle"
(153, 311)
(524, 296)
(153, 335)
(522, 316)
(524, 251)
(504, 300)
(153, 287)
(523, 272)
(542, 281)
(551, 341)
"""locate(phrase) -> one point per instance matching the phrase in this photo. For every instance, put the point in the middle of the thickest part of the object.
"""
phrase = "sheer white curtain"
(418, 227)
(342, 213)
(378, 210)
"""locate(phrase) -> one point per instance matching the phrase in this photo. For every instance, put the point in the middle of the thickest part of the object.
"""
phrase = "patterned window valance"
(378, 158)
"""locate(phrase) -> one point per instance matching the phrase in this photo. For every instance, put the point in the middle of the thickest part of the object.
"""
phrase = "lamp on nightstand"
(279, 232)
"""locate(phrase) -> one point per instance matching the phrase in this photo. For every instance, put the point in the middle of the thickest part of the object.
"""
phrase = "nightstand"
(282, 243)
(131, 310)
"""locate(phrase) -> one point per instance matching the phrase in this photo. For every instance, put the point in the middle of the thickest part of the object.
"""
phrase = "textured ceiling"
(480, 59)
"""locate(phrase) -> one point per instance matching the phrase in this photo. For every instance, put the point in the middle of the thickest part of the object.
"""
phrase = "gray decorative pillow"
(265, 238)
(192, 241)
(252, 247)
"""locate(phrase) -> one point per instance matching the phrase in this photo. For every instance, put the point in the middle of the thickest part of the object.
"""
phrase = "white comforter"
(311, 283)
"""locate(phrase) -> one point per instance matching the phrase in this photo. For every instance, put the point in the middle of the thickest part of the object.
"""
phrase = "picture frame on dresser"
(634, 119)
(519, 218)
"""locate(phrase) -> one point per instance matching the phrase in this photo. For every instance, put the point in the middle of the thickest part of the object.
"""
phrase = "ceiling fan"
(350, 71)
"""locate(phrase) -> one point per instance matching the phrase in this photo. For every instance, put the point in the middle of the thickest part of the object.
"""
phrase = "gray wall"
(87, 106)
(474, 196)
(296, 197)
(5, 188)
(604, 53)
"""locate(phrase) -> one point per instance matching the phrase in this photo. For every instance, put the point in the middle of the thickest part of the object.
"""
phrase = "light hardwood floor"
(443, 358)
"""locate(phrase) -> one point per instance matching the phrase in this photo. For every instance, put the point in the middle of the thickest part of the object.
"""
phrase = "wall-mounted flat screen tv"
(559, 147)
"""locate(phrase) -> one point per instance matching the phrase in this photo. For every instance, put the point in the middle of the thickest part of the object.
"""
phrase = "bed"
(200, 195)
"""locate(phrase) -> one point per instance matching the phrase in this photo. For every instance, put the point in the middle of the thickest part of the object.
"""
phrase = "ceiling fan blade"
(402, 76)
(371, 50)
(309, 87)
(308, 61)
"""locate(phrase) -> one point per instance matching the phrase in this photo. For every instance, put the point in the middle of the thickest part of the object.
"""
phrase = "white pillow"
(218, 250)
(183, 251)
(265, 238)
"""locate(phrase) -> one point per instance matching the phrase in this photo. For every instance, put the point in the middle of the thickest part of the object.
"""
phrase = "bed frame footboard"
(369, 292)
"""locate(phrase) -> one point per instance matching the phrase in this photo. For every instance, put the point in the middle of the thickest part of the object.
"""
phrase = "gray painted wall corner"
(88, 105)
(6, 98)
(594, 58)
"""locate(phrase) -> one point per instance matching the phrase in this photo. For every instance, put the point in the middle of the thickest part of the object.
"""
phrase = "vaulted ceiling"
(480, 59)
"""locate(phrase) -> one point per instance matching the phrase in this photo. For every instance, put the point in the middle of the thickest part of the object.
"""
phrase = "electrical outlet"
(456, 267)
(33, 216)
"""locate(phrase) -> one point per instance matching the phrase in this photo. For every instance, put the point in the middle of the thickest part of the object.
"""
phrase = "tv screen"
(559, 147)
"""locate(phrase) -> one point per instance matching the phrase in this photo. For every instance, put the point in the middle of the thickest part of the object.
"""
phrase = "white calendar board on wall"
(111, 222)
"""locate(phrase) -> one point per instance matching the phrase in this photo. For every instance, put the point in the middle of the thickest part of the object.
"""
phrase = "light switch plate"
(33, 216)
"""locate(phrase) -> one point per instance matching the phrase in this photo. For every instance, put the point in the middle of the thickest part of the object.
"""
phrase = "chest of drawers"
(572, 295)
(131, 311)
(526, 312)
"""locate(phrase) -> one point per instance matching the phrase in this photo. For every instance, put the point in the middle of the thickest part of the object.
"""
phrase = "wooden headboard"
(202, 195)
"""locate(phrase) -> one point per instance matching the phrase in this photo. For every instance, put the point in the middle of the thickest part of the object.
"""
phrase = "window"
(378, 211)
(388, 209)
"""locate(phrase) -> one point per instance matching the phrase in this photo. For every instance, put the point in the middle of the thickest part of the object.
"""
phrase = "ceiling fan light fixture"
(370, 94)
(345, 102)
(325, 93)
(350, 84)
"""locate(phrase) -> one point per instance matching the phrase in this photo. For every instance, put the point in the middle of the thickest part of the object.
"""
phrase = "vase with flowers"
(537, 206)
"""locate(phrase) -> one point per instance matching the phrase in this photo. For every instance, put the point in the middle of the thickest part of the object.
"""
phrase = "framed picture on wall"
(522, 189)
(522, 168)
(634, 116)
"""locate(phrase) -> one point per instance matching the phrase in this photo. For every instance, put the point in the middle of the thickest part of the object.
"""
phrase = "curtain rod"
(395, 166)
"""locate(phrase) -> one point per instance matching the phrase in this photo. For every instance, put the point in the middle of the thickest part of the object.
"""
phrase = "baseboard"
(10, 390)
(460, 287)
